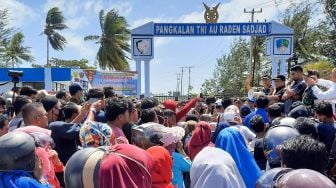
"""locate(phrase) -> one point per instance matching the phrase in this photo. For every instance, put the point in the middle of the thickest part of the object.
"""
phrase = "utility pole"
(178, 83)
(189, 67)
(252, 12)
(182, 82)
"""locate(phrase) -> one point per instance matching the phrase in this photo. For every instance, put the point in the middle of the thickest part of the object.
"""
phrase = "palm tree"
(113, 41)
(54, 21)
(15, 52)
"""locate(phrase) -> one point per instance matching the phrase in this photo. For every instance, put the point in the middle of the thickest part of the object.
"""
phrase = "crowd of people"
(283, 137)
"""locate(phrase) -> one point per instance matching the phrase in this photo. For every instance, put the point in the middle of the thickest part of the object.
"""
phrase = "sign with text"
(122, 82)
(215, 29)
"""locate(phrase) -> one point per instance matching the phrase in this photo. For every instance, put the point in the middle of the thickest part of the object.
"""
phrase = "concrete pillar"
(47, 79)
(275, 65)
(147, 78)
(138, 69)
(283, 66)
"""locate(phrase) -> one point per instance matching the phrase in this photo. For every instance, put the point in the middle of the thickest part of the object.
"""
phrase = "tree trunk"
(13, 63)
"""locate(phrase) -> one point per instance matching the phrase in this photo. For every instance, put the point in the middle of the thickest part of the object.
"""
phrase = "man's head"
(279, 81)
(266, 81)
(108, 92)
(274, 111)
(324, 112)
(170, 117)
(63, 96)
(262, 102)
(52, 107)
(257, 124)
(76, 91)
(296, 72)
(304, 152)
(29, 92)
(133, 112)
(95, 93)
(70, 111)
(148, 115)
(35, 114)
(19, 102)
(306, 126)
(226, 101)
(116, 112)
(148, 102)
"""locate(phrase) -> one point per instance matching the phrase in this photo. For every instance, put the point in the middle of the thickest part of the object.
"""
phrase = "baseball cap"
(170, 104)
(266, 77)
(231, 117)
(280, 77)
(245, 110)
(159, 134)
(219, 103)
(74, 87)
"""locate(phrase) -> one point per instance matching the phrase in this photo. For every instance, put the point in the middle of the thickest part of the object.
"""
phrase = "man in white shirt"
(330, 94)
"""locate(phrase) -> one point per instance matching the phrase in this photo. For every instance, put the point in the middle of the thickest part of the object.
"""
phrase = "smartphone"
(92, 100)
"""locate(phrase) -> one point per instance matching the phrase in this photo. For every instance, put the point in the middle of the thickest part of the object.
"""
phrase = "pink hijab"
(126, 166)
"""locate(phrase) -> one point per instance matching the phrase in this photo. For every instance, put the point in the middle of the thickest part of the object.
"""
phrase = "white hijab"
(213, 167)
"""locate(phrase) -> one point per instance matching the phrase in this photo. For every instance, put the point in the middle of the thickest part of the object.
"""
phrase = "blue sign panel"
(211, 29)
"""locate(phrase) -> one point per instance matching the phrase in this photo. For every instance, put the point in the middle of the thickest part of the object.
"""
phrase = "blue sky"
(170, 53)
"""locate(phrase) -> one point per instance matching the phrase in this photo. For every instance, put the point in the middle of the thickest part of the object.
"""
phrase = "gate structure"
(279, 41)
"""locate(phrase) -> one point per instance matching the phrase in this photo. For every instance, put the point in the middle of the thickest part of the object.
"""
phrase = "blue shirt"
(180, 165)
(259, 111)
(326, 133)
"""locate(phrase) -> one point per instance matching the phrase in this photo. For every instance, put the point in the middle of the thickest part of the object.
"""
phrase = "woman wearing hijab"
(126, 166)
(201, 137)
(213, 167)
(231, 141)
(162, 171)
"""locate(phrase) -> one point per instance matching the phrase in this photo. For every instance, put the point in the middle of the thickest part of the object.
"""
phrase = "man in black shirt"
(280, 83)
(295, 90)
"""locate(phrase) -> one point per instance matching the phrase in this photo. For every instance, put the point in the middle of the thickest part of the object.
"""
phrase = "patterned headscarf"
(95, 134)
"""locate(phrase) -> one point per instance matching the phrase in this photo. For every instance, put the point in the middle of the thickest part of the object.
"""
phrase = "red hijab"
(126, 166)
(163, 164)
(201, 137)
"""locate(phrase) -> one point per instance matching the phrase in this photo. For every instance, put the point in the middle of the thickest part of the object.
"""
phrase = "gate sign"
(214, 29)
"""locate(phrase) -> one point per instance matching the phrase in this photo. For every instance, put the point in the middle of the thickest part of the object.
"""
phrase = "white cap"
(219, 102)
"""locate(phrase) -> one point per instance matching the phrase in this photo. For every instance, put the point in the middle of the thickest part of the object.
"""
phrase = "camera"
(13, 73)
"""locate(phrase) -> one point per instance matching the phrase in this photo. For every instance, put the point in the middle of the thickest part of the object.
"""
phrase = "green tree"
(113, 41)
(5, 30)
(55, 21)
(82, 63)
(306, 36)
(15, 52)
(324, 68)
(327, 30)
(228, 72)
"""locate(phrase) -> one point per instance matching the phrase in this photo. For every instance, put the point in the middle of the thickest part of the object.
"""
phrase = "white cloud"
(76, 23)
(77, 43)
(19, 13)
(72, 8)
(124, 8)
(53, 3)
(93, 6)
